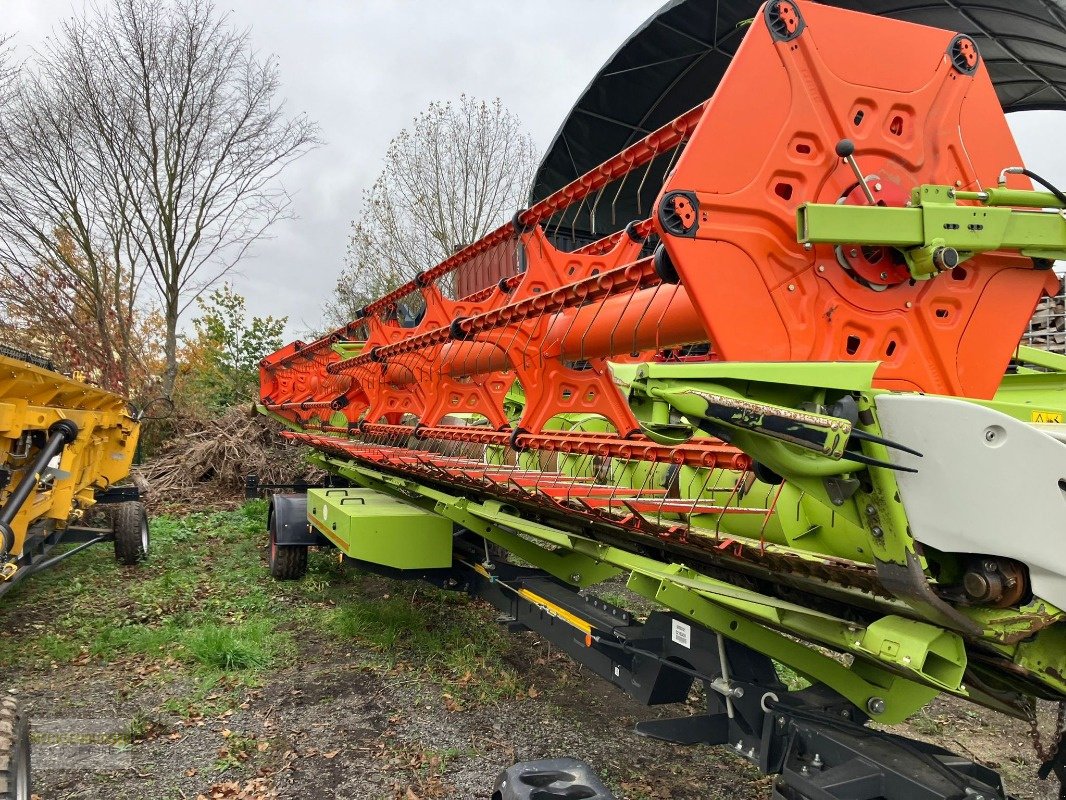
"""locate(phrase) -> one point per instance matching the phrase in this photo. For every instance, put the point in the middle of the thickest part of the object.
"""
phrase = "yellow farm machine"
(65, 446)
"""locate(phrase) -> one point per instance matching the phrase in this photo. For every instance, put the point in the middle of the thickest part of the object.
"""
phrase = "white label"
(325, 511)
(681, 633)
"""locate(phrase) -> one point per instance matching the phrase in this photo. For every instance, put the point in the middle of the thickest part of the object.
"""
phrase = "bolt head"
(876, 705)
(877, 531)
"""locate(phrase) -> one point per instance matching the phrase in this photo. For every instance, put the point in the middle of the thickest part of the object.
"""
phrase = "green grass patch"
(204, 605)
(203, 598)
(451, 635)
(234, 647)
(788, 676)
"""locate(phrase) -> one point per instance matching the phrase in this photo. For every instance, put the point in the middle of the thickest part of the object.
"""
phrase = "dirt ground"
(336, 710)
(334, 730)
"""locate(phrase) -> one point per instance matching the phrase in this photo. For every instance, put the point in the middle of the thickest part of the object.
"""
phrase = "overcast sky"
(364, 68)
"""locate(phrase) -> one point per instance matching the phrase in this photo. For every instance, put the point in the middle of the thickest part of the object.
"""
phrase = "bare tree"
(66, 260)
(456, 174)
(190, 136)
(8, 70)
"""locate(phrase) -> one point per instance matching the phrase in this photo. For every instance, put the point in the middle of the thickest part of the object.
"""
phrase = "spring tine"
(871, 437)
(873, 462)
(647, 170)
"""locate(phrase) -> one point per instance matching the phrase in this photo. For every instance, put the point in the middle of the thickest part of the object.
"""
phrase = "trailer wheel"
(130, 524)
(288, 562)
(14, 751)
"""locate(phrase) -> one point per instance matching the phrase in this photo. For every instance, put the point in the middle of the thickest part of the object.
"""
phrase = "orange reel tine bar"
(642, 152)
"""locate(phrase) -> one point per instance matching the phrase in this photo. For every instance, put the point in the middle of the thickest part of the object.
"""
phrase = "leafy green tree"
(221, 362)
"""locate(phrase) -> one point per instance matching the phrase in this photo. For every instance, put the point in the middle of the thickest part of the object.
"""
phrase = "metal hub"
(874, 266)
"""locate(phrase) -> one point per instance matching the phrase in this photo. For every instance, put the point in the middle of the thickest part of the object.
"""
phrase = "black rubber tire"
(288, 562)
(130, 525)
(15, 775)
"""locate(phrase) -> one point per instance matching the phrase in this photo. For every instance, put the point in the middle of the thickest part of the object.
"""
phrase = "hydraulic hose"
(1035, 178)
(60, 435)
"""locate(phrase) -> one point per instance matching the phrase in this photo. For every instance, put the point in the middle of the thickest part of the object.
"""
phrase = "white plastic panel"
(987, 484)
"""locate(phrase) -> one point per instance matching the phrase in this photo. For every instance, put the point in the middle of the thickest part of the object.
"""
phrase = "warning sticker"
(1046, 416)
(681, 633)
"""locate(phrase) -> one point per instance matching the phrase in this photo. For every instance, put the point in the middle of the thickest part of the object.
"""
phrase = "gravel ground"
(335, 711)
(332, 729)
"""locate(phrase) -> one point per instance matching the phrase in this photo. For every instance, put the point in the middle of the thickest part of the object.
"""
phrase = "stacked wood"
(1047, 328)
(207, 462)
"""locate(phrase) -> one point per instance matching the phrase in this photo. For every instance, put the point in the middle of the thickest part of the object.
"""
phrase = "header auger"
(789, 406)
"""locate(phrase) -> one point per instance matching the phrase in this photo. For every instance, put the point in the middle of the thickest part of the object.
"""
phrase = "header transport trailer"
(784, 400)
(64, 445)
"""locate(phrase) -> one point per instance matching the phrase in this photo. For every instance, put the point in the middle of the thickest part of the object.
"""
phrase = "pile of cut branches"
(207, 460)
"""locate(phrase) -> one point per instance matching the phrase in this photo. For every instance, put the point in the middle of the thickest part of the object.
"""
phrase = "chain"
(1045, 751)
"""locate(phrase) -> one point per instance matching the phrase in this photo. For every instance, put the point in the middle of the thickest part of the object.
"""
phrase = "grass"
(788, 676)
(926, 724)
(205, 607)
(200, 599)
(451, 632)
(248, 646)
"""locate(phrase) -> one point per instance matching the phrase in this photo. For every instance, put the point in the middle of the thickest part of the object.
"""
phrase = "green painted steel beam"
(934, 221)
(348, 350)
(1055, 362)
(1001, 196)
(790, 376)
(919, 661)
(376, 527)
(566, 565)
(869, 688)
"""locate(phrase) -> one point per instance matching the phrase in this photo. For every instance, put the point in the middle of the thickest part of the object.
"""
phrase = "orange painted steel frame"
(763, 144)
(767, 143)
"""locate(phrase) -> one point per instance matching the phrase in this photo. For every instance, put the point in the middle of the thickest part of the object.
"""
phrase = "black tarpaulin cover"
(676, 58)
